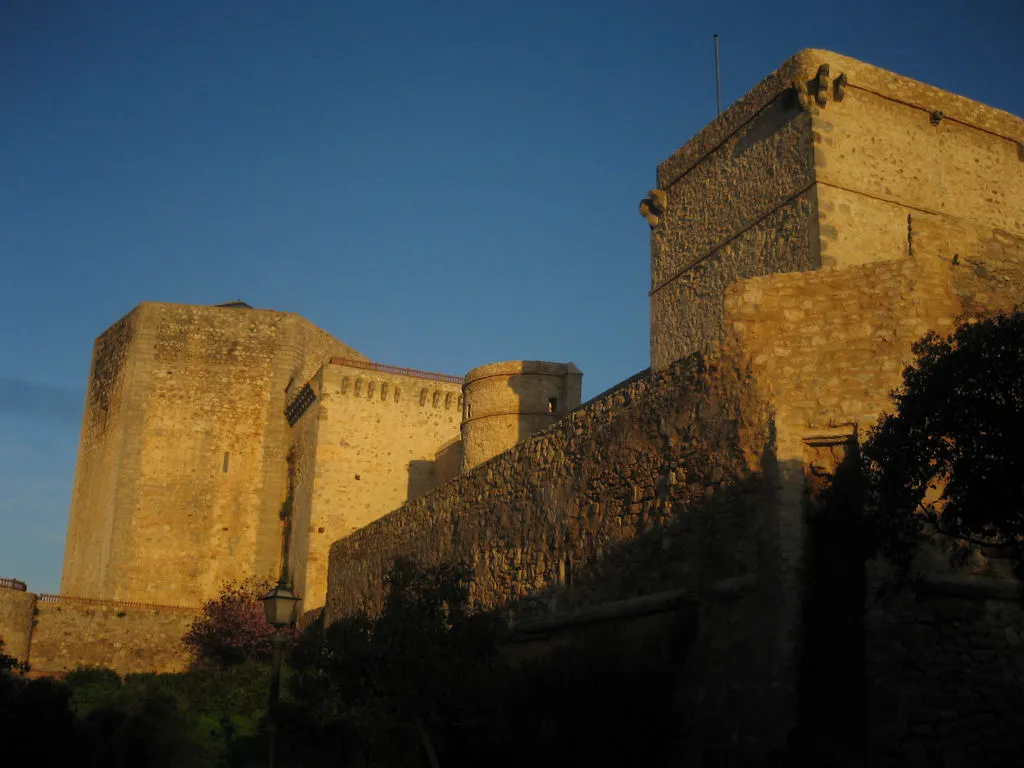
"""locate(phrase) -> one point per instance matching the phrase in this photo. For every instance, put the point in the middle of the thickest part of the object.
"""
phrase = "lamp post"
(279, 604)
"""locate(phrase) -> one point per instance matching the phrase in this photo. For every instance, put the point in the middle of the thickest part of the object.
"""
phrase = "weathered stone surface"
(581, 514)
(779, 183)
(181, 466)
(369, 441)
(57, 634)
(507, 402)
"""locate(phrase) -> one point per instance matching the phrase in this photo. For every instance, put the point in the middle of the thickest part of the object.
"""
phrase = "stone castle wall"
(741, 207)
(660, 485)
(181, 472)
(893, 147)
(829, 346)
(366, 444)
(56, 634)
(88, 550)
(801, 243)
(945, 664)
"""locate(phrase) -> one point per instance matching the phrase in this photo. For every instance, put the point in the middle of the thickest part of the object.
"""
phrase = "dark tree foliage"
(197, 718)
(232, 629)
(9, 664)
(950, 459)
(397, 680)
(427, 683)
(35, 713)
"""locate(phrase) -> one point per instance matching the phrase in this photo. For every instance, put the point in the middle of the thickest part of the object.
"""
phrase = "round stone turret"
(504, 403)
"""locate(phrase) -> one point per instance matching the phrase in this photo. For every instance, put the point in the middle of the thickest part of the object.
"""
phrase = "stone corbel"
(839, 87)
(653, 206)
(818, 86)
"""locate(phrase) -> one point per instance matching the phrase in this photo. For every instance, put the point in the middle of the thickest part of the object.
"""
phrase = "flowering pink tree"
(233, 629)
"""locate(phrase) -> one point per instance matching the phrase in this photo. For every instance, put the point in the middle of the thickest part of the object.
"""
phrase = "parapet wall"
(664, 484)
(56, 633)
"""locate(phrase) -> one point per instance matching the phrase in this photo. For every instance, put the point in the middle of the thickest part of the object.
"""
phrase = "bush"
(232, 629)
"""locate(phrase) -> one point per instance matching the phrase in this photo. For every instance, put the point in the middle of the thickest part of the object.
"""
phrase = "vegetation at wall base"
(232, 628)
(949, 460)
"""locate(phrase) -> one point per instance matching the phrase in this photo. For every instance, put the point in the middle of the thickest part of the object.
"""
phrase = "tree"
(429, 682)
(393, 686)
(232, 629)
(950, 460)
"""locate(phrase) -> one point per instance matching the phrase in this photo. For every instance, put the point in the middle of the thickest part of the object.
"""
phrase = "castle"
(225, 442)
(800, 244)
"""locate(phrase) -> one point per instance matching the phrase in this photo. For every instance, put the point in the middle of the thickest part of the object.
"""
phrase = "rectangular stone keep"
(819, 166)
(156, 513)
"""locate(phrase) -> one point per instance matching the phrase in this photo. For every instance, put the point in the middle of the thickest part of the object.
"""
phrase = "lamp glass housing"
(280, 604)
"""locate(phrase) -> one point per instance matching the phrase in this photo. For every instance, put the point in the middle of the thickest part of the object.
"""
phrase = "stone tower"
(825, 164)
(503, 403)
(181, 472)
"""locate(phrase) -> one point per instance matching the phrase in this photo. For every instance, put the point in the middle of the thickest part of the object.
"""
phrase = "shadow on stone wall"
(421, 478)
(670, 483)
(832, 693)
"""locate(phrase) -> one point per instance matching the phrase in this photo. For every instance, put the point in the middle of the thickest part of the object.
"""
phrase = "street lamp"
(279, 604)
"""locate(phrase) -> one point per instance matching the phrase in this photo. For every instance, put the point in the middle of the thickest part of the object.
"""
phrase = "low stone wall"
(127, 638)
(56, 633)
(665, 484)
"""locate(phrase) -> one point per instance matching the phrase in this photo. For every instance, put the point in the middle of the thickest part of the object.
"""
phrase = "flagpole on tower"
(718, 81)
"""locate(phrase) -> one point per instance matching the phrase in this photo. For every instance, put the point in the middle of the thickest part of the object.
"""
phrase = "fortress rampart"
(805, 239)
(657, 486)
(57, 633)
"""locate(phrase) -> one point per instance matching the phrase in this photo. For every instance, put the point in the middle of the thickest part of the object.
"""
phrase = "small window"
(345, 385)
(423, 397)
(384, 391)
(369, 389)
(437, 398)
(552, 404)
(359, 387)
(448, 401)
(227, 458)
(398, 394)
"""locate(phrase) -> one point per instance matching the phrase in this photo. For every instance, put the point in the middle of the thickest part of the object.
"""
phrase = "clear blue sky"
(440, 185)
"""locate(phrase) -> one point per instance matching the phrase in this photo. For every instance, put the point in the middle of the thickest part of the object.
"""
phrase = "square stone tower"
(820, 166)
(182, 460)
